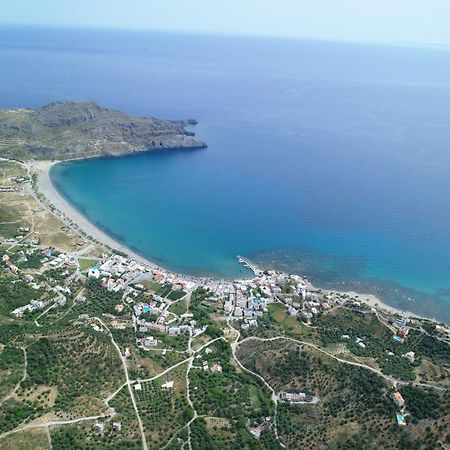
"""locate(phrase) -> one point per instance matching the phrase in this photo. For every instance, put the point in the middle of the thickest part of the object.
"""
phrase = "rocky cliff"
(67, 130)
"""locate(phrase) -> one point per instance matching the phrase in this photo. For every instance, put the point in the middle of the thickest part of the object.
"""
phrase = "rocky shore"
(73, 130)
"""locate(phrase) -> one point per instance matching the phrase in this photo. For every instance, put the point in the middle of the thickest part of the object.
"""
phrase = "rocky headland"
(72, 130)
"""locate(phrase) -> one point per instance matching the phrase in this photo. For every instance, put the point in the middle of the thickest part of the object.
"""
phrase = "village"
(148, 303)
(244, 301)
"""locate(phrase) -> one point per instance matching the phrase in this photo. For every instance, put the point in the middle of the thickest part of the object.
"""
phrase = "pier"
(248, 264)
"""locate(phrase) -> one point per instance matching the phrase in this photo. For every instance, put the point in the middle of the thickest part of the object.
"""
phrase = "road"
(394, 381)
(274, 397)
(128, 383)
(52, 423)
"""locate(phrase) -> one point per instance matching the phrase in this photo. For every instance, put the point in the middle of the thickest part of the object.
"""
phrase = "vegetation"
(178, 308)
(234, 436)
(202, 312)
(81, 364)
(11, 368)
(176, 295)
(355, 408)
(69, 129)
(422, 404)
(85, 437)
(10, 221)
(228, 394)
(12, 413)
(86, 263)
(99, 300)
(431, 347)
(164, 410)
(16, 295)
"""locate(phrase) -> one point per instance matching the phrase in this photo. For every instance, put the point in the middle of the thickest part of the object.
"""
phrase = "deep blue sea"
(328, 159)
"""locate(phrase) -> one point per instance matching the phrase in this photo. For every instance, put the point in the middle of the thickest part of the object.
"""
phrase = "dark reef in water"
(338, 273)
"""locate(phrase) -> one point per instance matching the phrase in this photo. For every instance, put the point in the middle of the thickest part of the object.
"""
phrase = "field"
(179, 308)
(10, 218)
(26, 440)
(290, 325)
(229, 394)
(20, 209)
(233, 435)
(151, 286)
(99, 301)
(81, 365)
(86, 436)
(85, 263)
(164, 410)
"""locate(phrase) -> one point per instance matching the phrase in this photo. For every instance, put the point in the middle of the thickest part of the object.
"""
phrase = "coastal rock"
(68, 130)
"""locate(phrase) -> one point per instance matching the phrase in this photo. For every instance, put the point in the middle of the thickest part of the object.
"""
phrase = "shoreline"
(374, 302)
(45, 186)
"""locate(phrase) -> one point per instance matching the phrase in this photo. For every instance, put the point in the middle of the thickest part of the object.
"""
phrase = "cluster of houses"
(117, 266)
(20, 180)
(48, 256)
(245, 303)
(247, 300)
(153, 317)
(402, 329)
(213, 368)
(148, 341)
(34, 305)
(63, 259)
(53, 260)
(9, 264)
(5, 188)
(22, 257)
(20, 238)
(117, 271)
(150, 311)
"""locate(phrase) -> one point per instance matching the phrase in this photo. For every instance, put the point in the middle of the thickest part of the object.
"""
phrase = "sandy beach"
(374, 302)
(46, 187)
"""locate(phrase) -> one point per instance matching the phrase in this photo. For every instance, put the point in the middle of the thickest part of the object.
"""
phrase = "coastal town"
(224, 225)
(185, 338)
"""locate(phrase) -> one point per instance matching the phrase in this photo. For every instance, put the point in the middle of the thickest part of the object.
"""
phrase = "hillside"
(67, 130)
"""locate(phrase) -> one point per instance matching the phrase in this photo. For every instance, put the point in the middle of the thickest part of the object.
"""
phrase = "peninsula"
(72, 130)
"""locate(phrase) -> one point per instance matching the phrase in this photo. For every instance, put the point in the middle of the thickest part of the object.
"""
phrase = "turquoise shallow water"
(328, 159)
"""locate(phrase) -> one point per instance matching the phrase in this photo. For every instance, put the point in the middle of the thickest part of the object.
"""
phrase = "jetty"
(248, 265)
